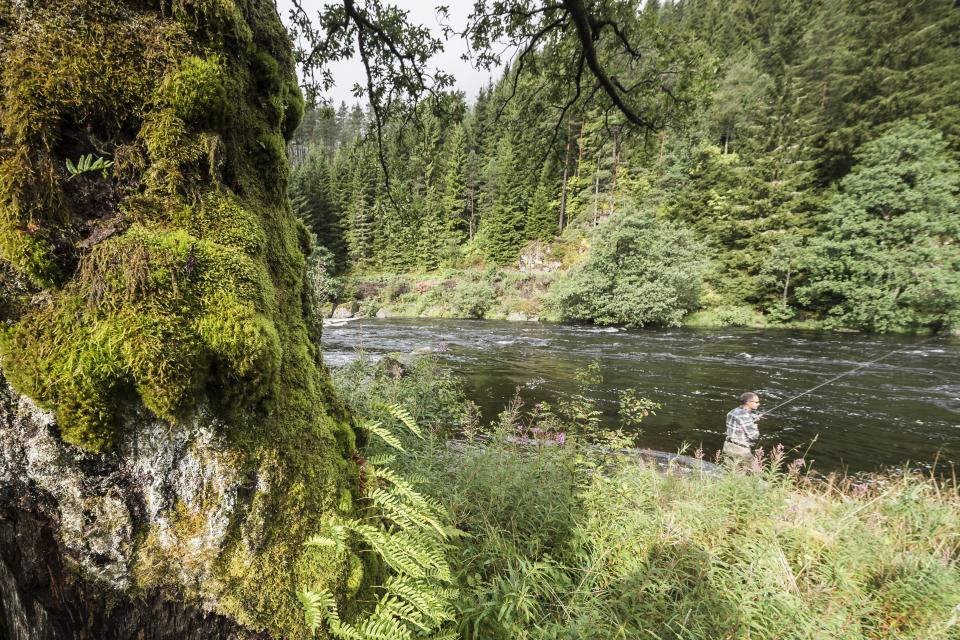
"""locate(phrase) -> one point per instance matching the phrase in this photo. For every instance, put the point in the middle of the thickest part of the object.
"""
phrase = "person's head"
(750, 400)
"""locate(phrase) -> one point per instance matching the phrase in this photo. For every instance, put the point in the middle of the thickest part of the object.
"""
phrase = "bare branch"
(585, 34)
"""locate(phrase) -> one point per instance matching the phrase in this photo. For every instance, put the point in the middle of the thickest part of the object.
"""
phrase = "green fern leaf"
(323, 541)
(401, 414)
(384, 434)
(318, 605)
(406, 516)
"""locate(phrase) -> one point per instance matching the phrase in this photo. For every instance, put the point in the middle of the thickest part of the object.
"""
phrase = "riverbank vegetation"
(814, 164)
(547, 538)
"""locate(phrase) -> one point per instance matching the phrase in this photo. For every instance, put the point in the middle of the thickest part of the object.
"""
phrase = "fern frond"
(381, 459)
(317, 606)
(403, 487)
(432, 602)
(412, 553)
(401, 414)
(406, 516)
(383, 627)
(384, 434)
(394, 607)
(448, 635)
(323, 541)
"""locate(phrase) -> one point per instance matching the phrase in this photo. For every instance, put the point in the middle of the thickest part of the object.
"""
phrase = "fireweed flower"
(560, 438)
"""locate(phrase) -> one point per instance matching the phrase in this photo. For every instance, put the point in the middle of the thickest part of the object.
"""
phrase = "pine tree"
(502, 222)
(542, 217)
(454, 198)
(889, 254)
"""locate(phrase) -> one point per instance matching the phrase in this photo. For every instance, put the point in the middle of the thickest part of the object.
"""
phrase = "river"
(903, 409)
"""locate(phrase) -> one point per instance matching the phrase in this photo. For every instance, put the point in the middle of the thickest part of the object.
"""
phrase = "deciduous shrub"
(641, 271)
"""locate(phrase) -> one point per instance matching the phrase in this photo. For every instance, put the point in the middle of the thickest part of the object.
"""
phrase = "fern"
(407, 531)
(384, 434)
(86, 164)
(317, 606)
(401, 414)
(403, 487)
(406, 515)
(382, 459)
(322, 541)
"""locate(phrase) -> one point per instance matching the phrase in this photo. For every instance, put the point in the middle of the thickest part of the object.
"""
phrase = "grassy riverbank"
(506, 294)
(558, 543)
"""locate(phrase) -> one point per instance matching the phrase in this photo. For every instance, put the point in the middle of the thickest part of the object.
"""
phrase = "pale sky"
(348, 72)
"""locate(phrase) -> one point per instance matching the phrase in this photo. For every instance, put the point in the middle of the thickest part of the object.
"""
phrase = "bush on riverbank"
(641, 272)
(494, 294)
(555, 548)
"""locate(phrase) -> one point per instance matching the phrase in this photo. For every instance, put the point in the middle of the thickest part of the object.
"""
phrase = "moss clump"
(177, 279)
(195, 91)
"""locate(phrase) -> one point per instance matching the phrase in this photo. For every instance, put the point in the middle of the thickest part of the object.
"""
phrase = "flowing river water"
(903, 409)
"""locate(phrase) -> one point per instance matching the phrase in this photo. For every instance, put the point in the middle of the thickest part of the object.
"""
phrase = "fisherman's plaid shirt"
(741, 429)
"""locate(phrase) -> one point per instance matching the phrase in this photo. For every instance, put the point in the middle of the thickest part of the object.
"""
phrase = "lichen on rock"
(166, 293)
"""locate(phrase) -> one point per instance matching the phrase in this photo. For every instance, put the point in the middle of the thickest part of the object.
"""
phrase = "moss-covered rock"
(174, 279)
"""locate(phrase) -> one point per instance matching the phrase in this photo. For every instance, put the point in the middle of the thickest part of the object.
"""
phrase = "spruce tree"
(889, 253)
(502, 222)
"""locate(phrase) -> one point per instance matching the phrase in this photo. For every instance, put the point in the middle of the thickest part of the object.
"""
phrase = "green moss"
(293, 109)
(197, 294)
(195, 91)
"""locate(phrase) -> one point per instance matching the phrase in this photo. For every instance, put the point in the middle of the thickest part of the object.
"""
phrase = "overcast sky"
(349, 72)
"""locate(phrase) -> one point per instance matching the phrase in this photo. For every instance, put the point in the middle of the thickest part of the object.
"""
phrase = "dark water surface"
(904, 408)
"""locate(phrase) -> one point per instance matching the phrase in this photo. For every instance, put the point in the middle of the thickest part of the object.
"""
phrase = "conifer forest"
(796, 159)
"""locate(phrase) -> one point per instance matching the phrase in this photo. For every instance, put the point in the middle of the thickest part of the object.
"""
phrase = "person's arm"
(750, 427)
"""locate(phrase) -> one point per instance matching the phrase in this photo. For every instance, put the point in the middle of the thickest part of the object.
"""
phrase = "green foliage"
(570, 542)
(888, 257)
(408, 533)
(472, 299)
(756, 114)
(86, 164)
(641, 272)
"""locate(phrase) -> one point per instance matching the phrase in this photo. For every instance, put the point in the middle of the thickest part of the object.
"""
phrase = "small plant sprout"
(88, 164)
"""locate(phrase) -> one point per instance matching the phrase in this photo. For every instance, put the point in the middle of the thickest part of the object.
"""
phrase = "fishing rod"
(846, 373)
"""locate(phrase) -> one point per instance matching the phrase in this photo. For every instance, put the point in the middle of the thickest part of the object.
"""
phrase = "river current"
(903, 409)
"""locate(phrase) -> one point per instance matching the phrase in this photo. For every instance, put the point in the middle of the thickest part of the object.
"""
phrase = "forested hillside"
(799, 159)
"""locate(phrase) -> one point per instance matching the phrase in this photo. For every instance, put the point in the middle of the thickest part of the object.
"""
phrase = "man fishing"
(742, 431)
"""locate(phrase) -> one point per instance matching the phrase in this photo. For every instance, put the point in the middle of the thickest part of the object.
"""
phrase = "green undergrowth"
(493, 293)
(174, 279)
(561, 543)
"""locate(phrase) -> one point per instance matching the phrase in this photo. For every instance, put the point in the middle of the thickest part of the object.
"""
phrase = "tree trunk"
(663, 143)
(596, 191)
(566, 174)
(615, 160)
(583, 125)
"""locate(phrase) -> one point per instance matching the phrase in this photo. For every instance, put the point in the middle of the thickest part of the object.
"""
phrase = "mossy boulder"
(172, 282)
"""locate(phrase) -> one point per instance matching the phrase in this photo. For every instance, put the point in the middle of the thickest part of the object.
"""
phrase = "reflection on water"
(904, 408)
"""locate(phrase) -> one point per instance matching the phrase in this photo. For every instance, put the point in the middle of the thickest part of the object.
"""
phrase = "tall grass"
(566, 542)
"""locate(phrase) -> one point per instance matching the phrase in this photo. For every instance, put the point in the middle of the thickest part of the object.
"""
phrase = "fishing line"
(846, 373)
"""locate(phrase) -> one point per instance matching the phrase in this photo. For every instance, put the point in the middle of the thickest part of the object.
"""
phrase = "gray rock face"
(535, 258)
(346, 310)
(77, 530)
